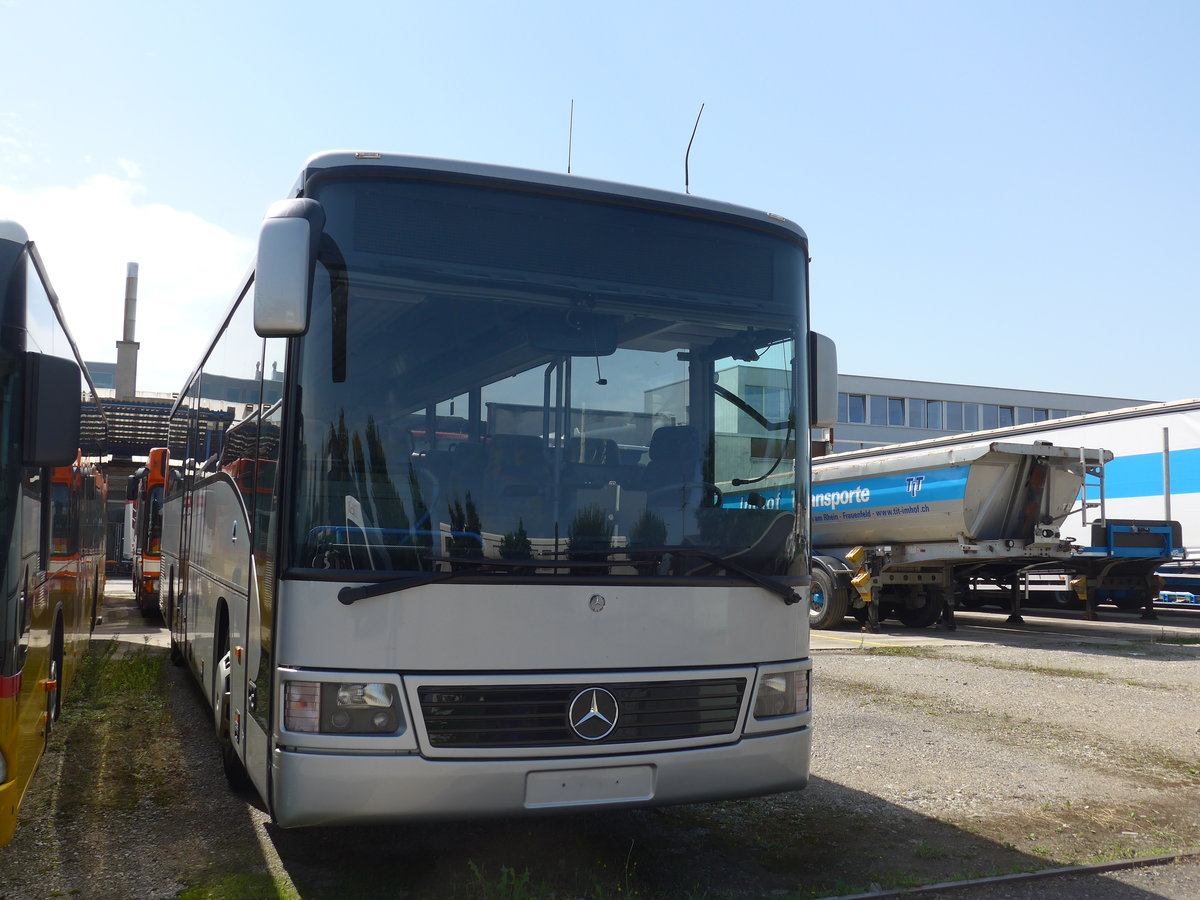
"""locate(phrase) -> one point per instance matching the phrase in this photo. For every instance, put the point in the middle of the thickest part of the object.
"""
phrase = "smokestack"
(130, 301)
(127, 348)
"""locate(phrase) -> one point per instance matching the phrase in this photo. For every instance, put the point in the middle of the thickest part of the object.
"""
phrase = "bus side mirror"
(822, 361)
(283, 269)
(52, 409)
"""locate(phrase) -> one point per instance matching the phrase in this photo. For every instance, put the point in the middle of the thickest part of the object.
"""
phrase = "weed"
(239, 886)
(511, 885)
(1178, 640)
(928, 851)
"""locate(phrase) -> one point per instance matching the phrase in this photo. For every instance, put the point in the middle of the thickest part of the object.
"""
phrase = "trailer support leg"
(1089, 602)
(1149, 593)
(871, 626)
(948, 606)
(1014, 603)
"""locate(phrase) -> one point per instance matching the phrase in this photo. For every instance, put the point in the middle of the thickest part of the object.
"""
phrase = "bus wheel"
(96, 603)
(54, 682)
(826, 604)
(176, 650)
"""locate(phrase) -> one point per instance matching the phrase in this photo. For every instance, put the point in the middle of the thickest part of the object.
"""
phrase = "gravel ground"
(936, 761)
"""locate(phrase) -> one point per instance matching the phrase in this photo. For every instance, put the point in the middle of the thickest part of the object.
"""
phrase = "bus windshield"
(499, 378)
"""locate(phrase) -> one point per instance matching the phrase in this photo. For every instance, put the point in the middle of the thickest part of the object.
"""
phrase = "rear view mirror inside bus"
(287, 251)
(578, 333)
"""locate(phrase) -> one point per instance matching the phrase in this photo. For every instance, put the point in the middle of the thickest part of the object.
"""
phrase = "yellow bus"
(51, 516)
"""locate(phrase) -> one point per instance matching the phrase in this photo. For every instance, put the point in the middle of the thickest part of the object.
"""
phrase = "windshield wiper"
(350, 595)
(785, 591)
(479, 565)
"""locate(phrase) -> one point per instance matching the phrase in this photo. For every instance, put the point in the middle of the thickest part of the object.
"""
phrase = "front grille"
(536, 715)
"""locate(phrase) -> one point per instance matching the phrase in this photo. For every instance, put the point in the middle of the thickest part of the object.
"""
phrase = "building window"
(770, 401)
(916, 413)
(997, 416)
(954, 415)
(895, 406)
(852, 409)
(1040, 415)
(970, 417)
(879, 411)
(933, 414)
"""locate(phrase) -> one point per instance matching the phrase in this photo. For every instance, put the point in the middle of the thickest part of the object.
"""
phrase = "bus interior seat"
(516, 465)
(592, 451)
(591, 462)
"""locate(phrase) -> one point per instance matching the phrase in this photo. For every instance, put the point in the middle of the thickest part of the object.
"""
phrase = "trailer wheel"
(826, 604)
(921, 616)
(1064, 600)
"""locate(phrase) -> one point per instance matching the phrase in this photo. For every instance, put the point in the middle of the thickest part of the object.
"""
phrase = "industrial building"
(876, 411)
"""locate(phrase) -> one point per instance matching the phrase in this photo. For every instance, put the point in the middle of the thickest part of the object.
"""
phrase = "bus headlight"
(333, 707)
(782, 694)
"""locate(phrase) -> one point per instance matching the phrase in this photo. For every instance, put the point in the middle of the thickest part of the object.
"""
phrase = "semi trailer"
(903, 532)
(1138, 506)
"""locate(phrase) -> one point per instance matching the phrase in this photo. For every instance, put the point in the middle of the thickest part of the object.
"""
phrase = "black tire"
(1063, 600)
(95, 612)
(145, 607)
(921, 616)
(54, 675)
(826, 604)
(177, 658)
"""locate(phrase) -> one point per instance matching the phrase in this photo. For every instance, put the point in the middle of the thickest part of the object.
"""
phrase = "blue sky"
(998, 193)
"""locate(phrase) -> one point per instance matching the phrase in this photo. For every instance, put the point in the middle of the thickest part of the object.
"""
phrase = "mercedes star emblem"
(593, 714)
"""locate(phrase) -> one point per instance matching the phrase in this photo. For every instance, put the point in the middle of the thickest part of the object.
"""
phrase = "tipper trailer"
(902, 531)
(1154, 475)
(1139, 504)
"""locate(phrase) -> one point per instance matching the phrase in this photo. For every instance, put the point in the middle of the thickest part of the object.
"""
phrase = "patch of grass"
(511, 885)
(933, 653)
(1126, 759)
(239, 886)
(913, 651)
(1178, 640)
(109, 678)
(115, 714)
(926, 850)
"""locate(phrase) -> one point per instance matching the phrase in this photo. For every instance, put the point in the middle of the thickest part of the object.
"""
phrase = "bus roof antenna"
(686, 156)
(570, 135)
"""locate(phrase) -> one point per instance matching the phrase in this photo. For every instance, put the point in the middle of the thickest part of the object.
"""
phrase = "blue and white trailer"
(1154, 475)
(1138, 503)
(902, 531)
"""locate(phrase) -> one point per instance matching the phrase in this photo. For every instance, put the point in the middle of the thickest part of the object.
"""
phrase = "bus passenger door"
(264, 567)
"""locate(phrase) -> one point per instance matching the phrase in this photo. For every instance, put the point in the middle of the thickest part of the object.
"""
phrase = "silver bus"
(443, 535)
